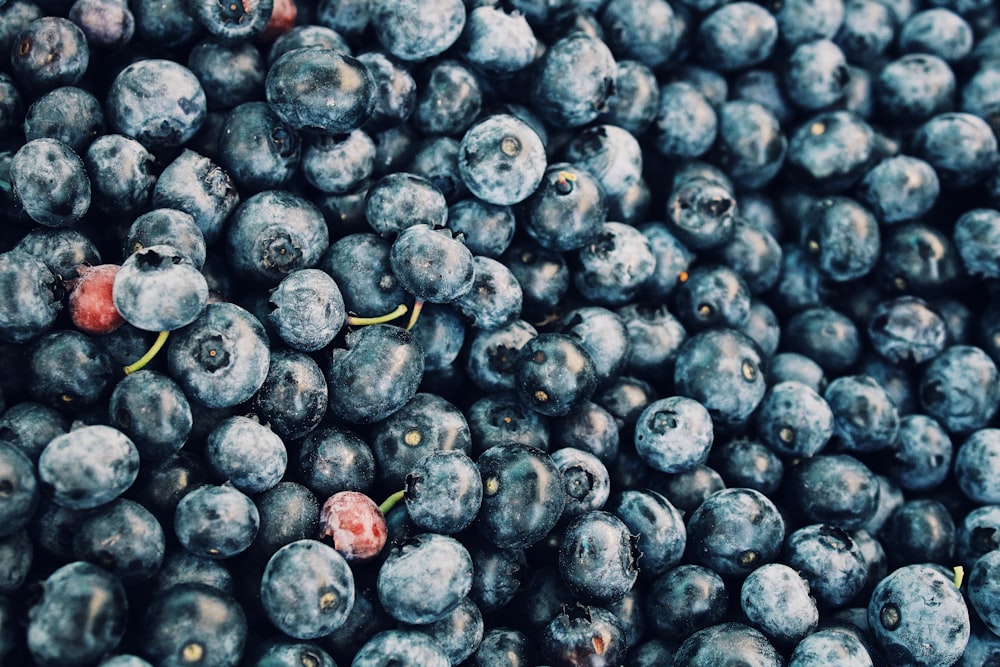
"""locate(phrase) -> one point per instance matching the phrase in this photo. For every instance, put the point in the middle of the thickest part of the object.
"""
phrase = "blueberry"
(614, 265)
(29, 301)
(833, 150)
(274, 233)
(915, 87)
(801, 21)
(727, 642)
(918, 531)
(88, 467)
(674, 434)
(496, 41)
(918, 616)
(106, 24)
(598, 557)
(586, 480)
(865, 418)
(391, 646)
(636, 100)
(959, 388)
(554, 373)
(584, 635)
(443, 492)
(495, 298)
(493, 354)
(257, 149)
(722, 370)
(425, 578)
(333, 459)
(69, 114)
(307, 607)
(307, 309)
(338, 165)
(300, 81)
(394, 92)
(736, 36)
(304, 36)
(431, 264)
(975, 462)
(501, 159)
(233, 21)
(19, 484)
(753, 534)
(293, 398)
(216, 522)
(124, 538)
(166, 226)
(899, 189)
(775, 599)
(220, 359)
(960, 146)
(159, 289)
(499, 417)
(830, 560)
(977, 238)
(701, 213)
(938, 31)
(567, 209)
(157, 102)
(828, 644)
(49, 52)
(152, 410)
(413, 30)
(574, 101)
(867, 30)
(198, 186)
(81, 615)
(685, 599)
(230, 72)
(50, 181)
(661, 534)
(923, 454)
(918, 259)
(285, 653)
(246, 453)
(523, 495)
(193, 622)
(713, 296)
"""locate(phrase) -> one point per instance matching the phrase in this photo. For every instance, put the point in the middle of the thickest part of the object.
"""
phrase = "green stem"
(161, 338)
(356, 321)
(391, 501)
(418, 306)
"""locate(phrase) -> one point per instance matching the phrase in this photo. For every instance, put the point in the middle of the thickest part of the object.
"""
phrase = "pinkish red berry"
(91, 307)
(355, 524)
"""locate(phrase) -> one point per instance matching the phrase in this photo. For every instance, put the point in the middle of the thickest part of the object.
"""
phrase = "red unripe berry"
(91, 307)
(282, 19)
(355, 524)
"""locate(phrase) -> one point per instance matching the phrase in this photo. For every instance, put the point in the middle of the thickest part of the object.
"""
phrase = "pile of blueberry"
(499, 333)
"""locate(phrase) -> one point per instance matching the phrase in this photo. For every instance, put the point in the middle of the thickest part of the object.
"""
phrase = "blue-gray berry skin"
(423, 579)
(400, 646)
(775, 599)
(674, 434)
(375, 375)
(124, 538)
(274, 233)
(431, 264)
(415, 30)
(88, 467)
(159, 103)
(976, 465)
(793, 419)
(828, 644)
(307, 309)
(81, 616)
(444, 492)
(216, 522)
(301, 81)
(598, 558)
(28, 302)
(918, 617)
(159, 289)
(961, 388)
(50, 181)
(307, 589)
(221, 359)
(574, 80)
(752, 535)
(495, 298)
(726, 644)
(830, 560)
(193, 183)
(167, 226)
(18, 475)
(246, 453)
(658, 525)
(501, 159)
(193, 619)
(736, 36)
